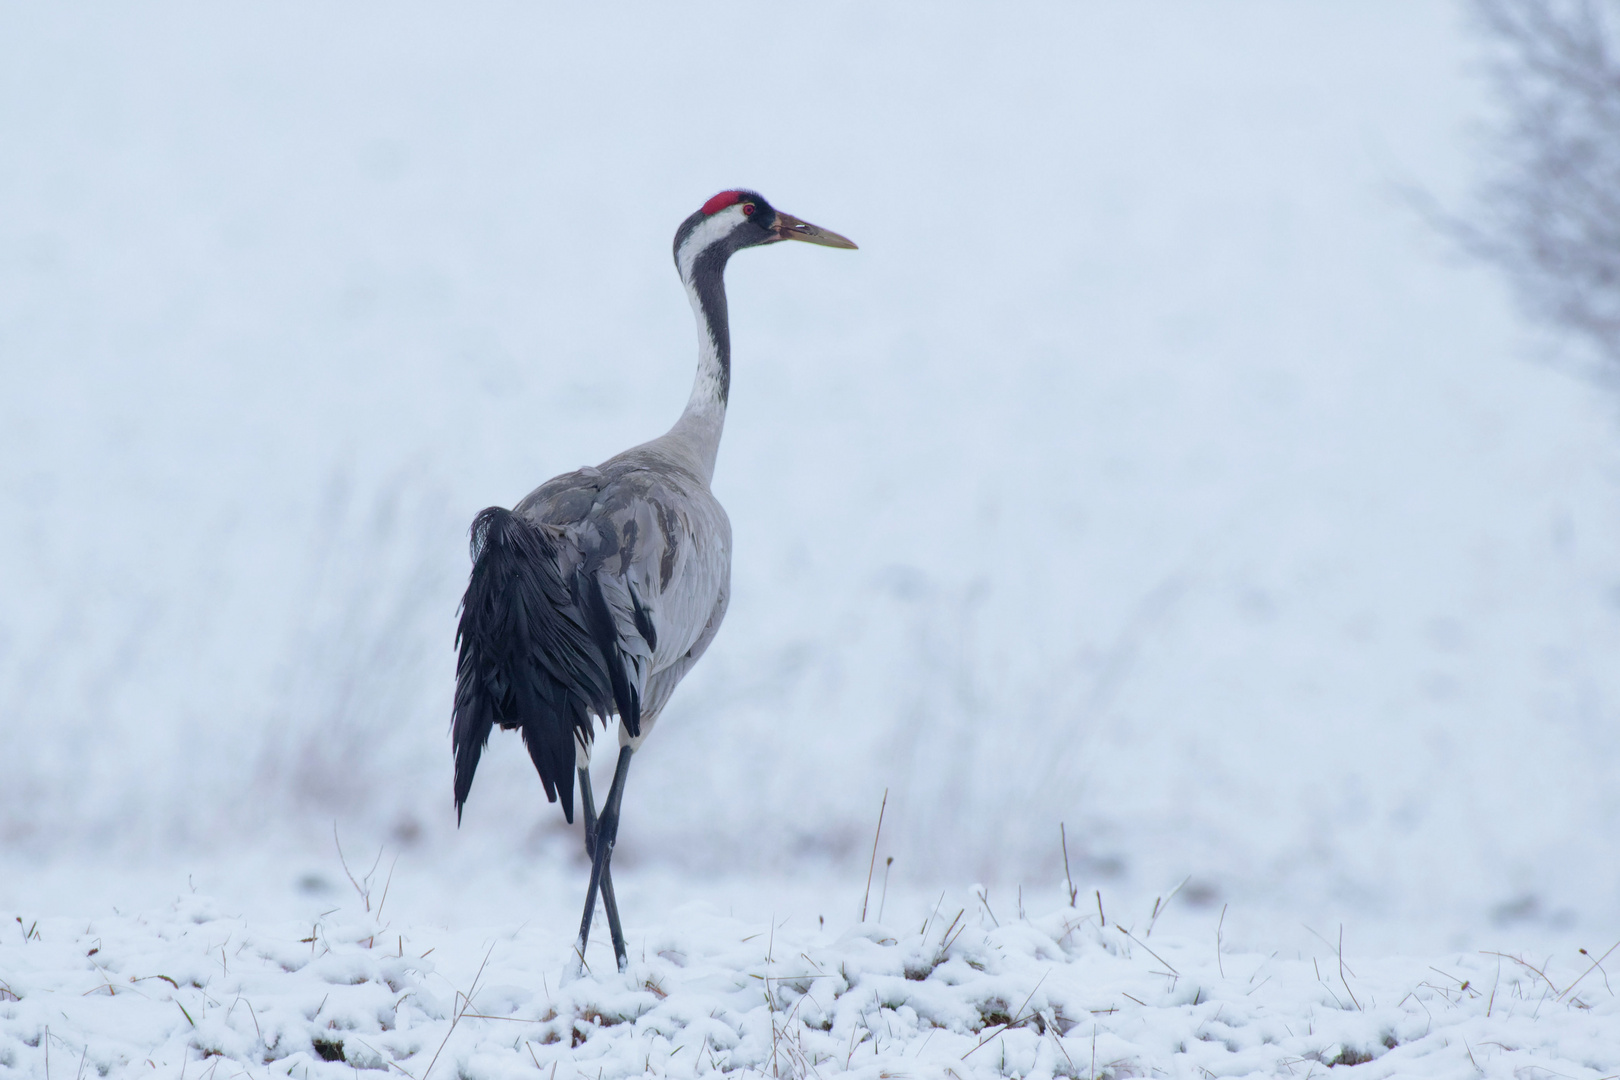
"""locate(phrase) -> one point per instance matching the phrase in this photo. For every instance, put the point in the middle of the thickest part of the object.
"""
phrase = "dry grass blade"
(984, 899)
(1159, 908)
(873, 864)
(466, 1003)
(1063, 835)
(1524, 964)
(1342, 979)
(1596, 965)
(1150, 952)
(386, 886)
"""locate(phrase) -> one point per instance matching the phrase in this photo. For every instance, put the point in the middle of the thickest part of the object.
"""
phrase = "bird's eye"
(748, 209)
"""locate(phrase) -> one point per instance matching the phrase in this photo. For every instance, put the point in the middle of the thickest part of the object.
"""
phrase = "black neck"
(708, 287)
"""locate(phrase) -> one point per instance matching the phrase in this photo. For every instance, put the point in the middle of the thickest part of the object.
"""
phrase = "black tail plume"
(526, 659)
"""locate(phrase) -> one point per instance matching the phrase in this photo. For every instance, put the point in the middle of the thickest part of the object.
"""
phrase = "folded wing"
(580, 598)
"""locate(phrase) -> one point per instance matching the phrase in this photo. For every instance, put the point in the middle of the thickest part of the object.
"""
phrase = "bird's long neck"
(703, 421)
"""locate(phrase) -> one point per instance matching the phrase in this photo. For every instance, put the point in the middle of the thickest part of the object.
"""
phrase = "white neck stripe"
(707, 232)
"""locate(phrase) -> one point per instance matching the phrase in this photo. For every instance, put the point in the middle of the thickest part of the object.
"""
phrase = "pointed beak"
(788, 227)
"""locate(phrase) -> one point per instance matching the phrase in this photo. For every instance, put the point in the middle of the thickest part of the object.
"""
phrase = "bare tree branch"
(1549, 212)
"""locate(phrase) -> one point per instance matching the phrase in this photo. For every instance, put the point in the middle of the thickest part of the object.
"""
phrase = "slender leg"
(607, 831)
(609, 901)
(590, 812)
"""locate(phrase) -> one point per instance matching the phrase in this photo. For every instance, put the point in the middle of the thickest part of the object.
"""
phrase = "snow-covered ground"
(1152, 469)
(970, 985)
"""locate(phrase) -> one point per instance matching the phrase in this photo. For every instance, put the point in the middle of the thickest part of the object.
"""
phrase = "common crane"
(595, 594)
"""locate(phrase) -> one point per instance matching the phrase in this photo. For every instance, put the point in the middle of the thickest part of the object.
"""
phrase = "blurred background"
(1165, 464)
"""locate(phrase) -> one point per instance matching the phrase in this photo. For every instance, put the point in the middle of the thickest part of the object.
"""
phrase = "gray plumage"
(658, 544)
(594, 595)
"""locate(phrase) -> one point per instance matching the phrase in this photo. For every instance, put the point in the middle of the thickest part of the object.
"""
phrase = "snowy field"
(964, 990)
(1152, 469)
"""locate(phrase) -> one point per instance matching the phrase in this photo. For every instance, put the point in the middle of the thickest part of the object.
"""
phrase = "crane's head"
(734, 220)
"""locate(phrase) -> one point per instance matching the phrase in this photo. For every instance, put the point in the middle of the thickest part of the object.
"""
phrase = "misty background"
(1156, 467)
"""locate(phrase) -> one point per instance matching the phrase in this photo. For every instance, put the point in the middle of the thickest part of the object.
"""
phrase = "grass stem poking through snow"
(386, 886)
(984, 898)
(1526, 965)
(873, 864)
(1100, 914)
(1063, 835)
(883, 898)
(1221, 967)
(931, 914)
(363, 886)
(1158, 908)
(1150, 952)
(1342, 979)
(1596, 965)
(466, 1003)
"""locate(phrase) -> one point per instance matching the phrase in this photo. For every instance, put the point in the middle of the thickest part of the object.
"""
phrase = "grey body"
(647, 525)
(595, 595)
